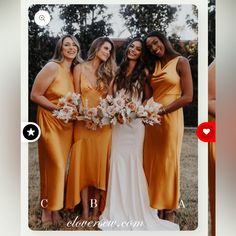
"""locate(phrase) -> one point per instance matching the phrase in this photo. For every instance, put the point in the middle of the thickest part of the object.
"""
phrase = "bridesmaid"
(91, 149)
(212, 147)
(52, 82)
(171, 82)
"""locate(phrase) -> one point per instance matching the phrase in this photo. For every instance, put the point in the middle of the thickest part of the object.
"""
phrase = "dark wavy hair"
(129, 83)
(151, 59)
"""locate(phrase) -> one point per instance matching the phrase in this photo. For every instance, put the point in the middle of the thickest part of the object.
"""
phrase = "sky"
(179, 25)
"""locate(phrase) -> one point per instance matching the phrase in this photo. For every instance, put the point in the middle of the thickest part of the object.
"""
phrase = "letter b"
(93, 203)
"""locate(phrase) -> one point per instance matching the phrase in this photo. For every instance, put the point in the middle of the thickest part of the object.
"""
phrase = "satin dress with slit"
(89, 164)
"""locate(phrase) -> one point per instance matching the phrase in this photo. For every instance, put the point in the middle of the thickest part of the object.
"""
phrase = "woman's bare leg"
(84, 196)
(56, 218)
(95, 215)
(170, 215)
(46, 216)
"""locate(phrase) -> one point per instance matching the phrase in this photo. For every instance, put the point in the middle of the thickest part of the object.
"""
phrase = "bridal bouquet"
(69, 107)
(120, 109)
(126, 109)
(149, 112)
(109, 111)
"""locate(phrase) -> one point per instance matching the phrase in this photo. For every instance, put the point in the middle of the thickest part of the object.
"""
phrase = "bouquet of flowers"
(69, 107)
(122, 109)
(92, 117)
(109, 111)
(149, 112)
(117, 109)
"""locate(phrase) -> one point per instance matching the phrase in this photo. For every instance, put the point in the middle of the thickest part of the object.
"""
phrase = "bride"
(127, 204)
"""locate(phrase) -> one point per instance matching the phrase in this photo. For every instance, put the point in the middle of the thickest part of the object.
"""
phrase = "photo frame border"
(202, 6)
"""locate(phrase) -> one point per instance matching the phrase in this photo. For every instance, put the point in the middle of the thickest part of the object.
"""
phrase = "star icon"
(31, 132)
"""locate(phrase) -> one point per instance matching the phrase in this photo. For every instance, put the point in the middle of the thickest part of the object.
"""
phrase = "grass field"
(186, 215)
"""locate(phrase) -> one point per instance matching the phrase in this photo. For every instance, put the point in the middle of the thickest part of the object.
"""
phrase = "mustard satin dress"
(212, 178)
(162, 143)
(90, 155)
(54, 144)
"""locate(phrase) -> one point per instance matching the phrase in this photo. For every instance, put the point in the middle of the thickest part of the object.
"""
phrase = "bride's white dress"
(127, 203)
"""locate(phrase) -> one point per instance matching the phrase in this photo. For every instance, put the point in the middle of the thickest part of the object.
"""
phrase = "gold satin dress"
(162, 143)
(90, 155)
(54, 144)
(212, 178)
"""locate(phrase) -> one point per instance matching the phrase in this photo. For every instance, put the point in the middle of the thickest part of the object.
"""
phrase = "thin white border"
(202, 117)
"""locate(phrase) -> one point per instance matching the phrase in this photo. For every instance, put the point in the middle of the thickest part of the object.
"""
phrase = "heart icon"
(206, 131)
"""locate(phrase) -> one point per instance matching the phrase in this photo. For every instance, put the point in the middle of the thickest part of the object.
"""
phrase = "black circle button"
(31, 132)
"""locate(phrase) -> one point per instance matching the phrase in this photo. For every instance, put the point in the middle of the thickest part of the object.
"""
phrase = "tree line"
(87, 22)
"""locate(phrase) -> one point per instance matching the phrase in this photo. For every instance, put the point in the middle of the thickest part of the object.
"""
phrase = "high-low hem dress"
(89, 164)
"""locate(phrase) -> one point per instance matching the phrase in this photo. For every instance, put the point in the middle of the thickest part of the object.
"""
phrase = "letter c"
(43, 204)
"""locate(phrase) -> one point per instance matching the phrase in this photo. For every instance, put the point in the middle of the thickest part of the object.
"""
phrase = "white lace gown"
(127, 203)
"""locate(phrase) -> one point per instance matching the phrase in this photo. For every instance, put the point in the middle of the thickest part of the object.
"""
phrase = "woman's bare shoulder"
(183, 62)
(51, 67)
(79, 67)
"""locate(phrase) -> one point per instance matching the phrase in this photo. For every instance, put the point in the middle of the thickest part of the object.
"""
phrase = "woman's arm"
(183, 68)
(147, 90)
(112, 87)
(77, 74)
(43, 80)
(211, 89)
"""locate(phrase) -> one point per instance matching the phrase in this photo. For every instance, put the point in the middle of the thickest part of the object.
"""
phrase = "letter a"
(181, 204)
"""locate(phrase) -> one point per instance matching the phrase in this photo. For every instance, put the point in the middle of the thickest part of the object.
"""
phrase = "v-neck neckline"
(162, 68)
(89, 83)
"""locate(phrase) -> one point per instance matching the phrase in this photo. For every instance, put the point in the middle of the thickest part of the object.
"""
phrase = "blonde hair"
(58, 56)
(106, 70)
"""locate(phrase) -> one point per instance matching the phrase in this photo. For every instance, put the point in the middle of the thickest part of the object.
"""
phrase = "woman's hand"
(162, 111)
(145, 102)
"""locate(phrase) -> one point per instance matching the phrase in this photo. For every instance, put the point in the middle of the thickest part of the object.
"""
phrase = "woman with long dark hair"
(171, 82)
(127, 203)
(91, 149)
(55, 80)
